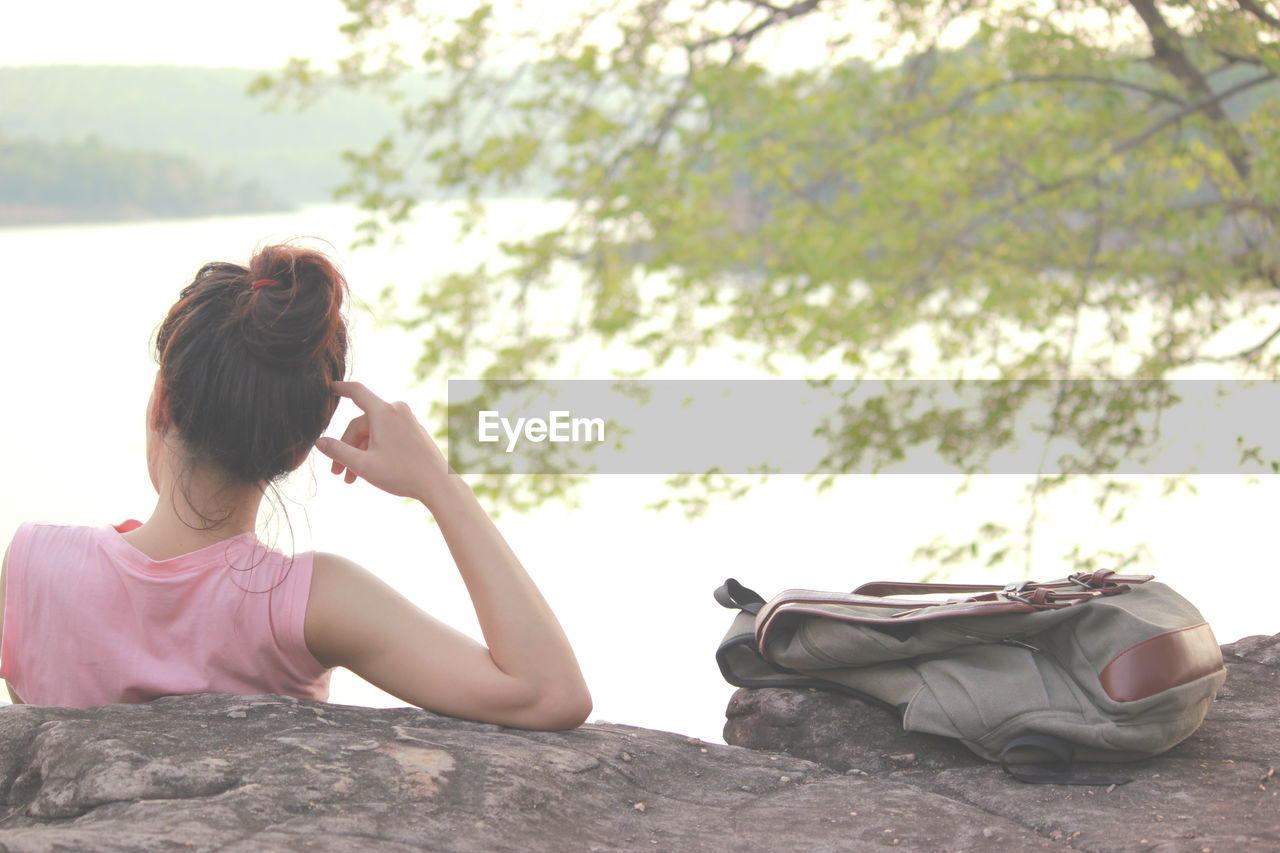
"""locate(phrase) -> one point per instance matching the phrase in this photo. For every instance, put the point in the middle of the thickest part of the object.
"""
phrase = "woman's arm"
(527, 677)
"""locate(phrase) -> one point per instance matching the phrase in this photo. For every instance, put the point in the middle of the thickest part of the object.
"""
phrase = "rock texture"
(1217, 790)
(267, 773)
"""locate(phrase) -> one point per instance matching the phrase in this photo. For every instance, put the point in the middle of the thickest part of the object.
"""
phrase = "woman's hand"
(387, 446)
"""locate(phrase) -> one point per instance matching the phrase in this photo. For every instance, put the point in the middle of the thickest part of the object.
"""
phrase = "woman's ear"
(159, 405)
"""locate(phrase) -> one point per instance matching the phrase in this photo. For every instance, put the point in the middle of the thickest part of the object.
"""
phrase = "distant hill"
(201, 114)
(43, 181)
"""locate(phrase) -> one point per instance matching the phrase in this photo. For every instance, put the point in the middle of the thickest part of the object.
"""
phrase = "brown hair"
(246, 369)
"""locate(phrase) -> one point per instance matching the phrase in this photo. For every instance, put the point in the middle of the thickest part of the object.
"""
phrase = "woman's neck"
(195, 510)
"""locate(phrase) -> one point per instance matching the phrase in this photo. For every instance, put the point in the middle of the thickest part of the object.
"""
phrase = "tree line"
(49, 181)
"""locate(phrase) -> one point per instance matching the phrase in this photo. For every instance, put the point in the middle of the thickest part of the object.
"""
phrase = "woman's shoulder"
(43, 538)
(333, 562)
(51, 531)
(56, 527)
(333, 577)
(333, 584)
(347, 604)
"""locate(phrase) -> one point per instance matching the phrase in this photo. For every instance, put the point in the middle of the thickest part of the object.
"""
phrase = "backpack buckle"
(1029, 592)
(1097, 582)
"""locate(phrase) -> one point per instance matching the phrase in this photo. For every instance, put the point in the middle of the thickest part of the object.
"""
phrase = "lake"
(631, 586)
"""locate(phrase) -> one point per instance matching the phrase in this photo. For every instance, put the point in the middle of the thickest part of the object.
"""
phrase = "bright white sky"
(266, 33)
(240, 33)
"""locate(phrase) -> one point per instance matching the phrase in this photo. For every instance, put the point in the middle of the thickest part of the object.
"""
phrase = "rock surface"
(268, 773)
(1217, 790)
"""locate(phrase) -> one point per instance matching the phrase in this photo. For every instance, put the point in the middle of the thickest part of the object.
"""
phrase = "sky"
(267, 33)
(229, 33)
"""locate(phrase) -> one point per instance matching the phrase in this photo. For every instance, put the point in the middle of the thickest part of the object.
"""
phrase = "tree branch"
(1232, 205)
(1233, 58)
(777, 15)
(1210, 103)
(1166, 45)
(1253, 7)
(965, 98)
(1244, 354)
(1158, 94)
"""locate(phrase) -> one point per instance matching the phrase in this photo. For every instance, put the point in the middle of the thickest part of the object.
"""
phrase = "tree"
(1005, 175)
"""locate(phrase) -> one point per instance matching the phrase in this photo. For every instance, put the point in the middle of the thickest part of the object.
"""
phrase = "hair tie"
(265, 282)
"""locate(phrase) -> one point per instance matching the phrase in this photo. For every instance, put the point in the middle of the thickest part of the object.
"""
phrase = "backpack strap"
(882, 588)
(1042, 596)
(1103, 581)
(1063, 753)
(739, 656)
(735, 596)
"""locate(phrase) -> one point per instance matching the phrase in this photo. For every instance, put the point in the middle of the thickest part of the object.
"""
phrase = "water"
(631, 587)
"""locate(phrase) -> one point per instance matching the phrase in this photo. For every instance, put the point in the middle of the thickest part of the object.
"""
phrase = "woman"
(252, 361)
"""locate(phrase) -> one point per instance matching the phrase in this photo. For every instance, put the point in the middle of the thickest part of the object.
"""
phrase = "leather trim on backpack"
(1164, 661)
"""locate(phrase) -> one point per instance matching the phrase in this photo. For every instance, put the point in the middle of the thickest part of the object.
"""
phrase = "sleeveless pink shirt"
(91, 620)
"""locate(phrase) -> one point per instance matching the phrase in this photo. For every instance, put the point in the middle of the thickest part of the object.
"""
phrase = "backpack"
(1095, 667)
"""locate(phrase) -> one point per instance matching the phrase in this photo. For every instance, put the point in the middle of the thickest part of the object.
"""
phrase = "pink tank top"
(91, 620)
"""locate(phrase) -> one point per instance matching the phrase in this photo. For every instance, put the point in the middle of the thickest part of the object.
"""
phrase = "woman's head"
(247, 355)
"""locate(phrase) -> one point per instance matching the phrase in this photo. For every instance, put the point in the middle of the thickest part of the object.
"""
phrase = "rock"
(1217, 790)
(268, 773)
(840, 732)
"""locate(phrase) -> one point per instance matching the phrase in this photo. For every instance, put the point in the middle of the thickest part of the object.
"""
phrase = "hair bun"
(290, 311)
(248, 370)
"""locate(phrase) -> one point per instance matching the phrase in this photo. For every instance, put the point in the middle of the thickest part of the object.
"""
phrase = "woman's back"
(90, 620)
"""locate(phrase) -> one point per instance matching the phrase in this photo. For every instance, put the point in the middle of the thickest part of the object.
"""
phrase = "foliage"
(1035, 190)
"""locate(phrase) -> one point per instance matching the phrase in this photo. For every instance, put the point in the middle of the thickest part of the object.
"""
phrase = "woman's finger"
(357, 431)
(356, 435)
(344, 454)
(358, 394)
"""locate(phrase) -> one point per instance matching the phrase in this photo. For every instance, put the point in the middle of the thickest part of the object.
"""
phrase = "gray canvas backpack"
(1094, 667)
